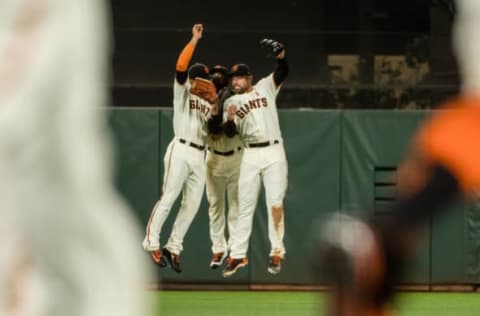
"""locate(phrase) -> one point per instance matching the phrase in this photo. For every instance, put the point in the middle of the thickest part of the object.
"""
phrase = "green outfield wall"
(338, 161)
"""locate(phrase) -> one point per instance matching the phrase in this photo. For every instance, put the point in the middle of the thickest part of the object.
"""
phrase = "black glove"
(271, 47)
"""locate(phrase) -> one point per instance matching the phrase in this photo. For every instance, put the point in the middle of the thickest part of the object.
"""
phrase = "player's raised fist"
(197, 31)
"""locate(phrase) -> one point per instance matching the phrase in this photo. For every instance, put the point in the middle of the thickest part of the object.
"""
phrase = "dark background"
(149, 35)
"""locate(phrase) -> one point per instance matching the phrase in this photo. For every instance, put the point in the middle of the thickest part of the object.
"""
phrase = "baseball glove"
(271, 47)
(205, 89)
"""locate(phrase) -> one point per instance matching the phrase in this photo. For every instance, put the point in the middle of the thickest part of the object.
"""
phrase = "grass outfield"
(244, 303)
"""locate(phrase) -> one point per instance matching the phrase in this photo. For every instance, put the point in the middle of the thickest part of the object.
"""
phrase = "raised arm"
(186, 55)
(281, 70)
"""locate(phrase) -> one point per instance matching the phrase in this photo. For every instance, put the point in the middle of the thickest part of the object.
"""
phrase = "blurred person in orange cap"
(364, 258)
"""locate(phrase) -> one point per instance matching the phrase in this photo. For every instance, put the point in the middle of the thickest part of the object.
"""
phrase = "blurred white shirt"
(69, 234)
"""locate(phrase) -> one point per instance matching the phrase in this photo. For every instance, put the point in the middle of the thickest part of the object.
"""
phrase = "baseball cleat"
(275, 264)
(233, 265)
(158, 258)
(217, 259)
(172, 259)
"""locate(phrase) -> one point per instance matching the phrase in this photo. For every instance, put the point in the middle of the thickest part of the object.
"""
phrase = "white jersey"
(190, 114)
(257, 117)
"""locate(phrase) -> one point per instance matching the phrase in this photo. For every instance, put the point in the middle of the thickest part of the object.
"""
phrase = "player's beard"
(241, 85)
(239, 89)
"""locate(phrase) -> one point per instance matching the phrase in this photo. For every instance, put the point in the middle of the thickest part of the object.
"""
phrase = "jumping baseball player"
(223, 169)
(253, 111)
(184, 159)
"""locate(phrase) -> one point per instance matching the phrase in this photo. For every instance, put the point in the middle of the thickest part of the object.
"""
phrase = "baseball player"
(69, 245)
(253, 111)
(184, 160)
(219, 76)
(223, 169)
(442, 165)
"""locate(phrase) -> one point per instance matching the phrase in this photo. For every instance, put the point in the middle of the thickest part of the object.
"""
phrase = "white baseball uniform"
(74, 241)
(223, 169)
(184, 171)
(263, 159)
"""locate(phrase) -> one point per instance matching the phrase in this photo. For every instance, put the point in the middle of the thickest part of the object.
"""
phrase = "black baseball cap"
(239, 70)
(198, 70)
(219, 69)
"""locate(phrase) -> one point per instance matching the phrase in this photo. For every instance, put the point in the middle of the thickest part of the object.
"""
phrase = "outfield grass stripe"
(268, 303)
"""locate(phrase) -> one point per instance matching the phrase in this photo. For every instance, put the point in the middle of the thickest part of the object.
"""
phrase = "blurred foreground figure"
(364, 259)
(68, 243)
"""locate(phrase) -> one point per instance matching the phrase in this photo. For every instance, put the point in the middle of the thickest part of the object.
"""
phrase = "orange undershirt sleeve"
(451, 138)
(185, 57)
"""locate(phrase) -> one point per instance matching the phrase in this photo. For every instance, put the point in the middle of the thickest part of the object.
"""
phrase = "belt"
(199, 147)
(263, 144)
(224, 153)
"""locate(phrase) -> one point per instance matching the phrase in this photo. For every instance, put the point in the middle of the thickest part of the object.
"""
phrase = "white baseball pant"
(184, 172)
(222, 177)
(270, 165)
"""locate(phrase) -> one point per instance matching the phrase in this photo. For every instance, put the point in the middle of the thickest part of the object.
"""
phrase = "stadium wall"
(338, 160)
